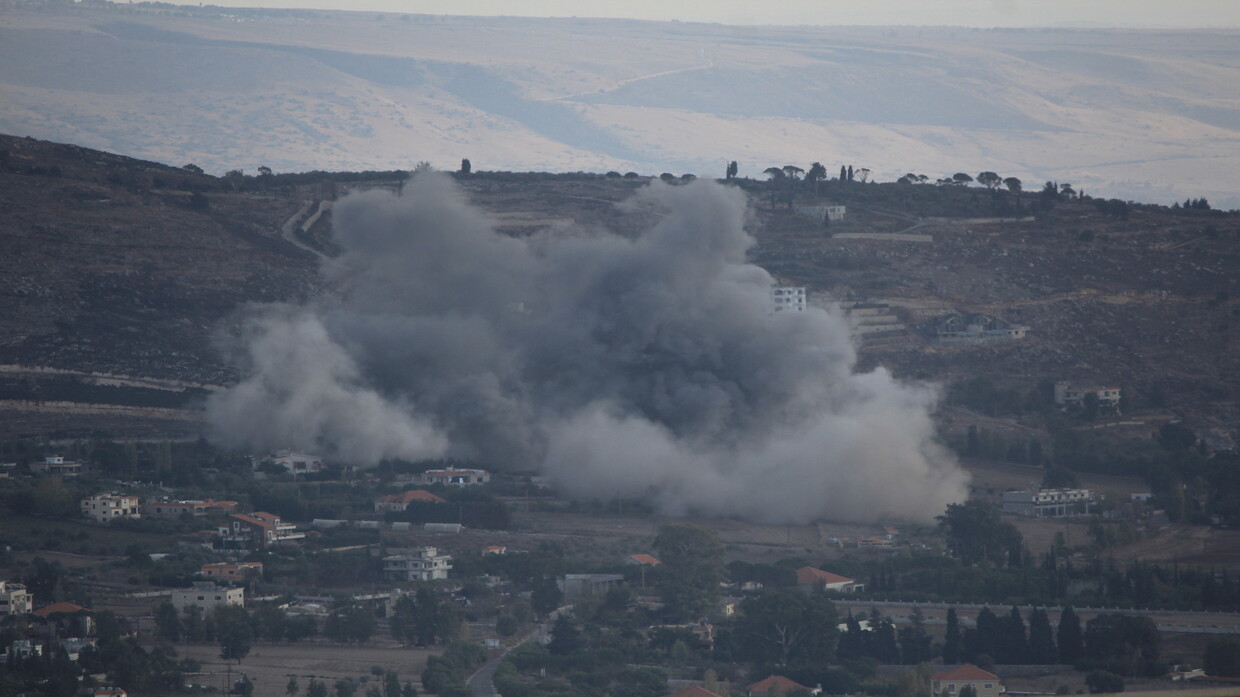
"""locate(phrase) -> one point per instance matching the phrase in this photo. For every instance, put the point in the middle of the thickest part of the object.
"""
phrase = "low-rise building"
(810, 579)
(780, 685)
(14, 599)
(1068, 395)
(577, 586)
(208, 596)
(641, 560)
(232, 570)
(258, 530)
(950, 682)
(291, 462)
(421, 564)
(56, 465)
(105, 508)
(453, 476)
(977, 329)
(22, 649)
(171, 508)
(400, 502)
(1048, 503)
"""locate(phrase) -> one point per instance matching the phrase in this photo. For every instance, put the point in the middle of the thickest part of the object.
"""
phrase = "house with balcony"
(171, 508)
(105, 508)
(206, 595)
(951, 682)
(1048, 503)
(14, 599)
(258, 530)
(452, 476)
(56, 465)
(1068, 394)
(421, 564)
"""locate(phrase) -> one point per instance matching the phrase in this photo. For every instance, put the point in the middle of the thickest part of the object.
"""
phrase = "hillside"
(1143, 115)
(120, 272)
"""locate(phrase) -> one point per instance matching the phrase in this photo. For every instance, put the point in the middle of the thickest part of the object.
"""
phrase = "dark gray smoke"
(649, 367)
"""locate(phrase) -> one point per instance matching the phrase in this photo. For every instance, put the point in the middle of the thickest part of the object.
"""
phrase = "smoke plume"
(647, 367)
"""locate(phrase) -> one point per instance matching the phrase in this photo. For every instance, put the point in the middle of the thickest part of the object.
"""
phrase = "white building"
(1047, 503)
(453, 476)
(787, 298)
(1067, 394)
(208, 596)
(14, 599)
(104, 508)
(423, 564)
(56, 465)
(257, 530)
(22, 649)
(294, 463)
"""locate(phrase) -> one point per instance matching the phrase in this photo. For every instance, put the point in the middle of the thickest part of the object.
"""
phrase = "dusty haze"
(648, 367)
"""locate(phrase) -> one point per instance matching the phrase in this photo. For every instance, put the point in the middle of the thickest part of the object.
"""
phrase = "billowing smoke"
(647, 367)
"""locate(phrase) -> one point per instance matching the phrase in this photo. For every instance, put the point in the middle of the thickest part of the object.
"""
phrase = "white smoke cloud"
(645, 367)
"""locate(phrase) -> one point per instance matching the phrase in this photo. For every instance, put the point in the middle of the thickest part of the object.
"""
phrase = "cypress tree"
(1041, 639)
(1071, 641)
(951, 640)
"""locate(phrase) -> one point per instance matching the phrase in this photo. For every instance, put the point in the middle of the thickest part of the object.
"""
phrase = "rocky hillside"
(117, 274)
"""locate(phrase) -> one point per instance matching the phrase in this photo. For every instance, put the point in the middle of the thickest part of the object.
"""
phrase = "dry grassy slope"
(1148, 114)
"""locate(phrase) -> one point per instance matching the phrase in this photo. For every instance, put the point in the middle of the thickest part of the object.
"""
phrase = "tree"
(233, 630)
(52, 499)
(863, 173)
(292, 687)
(1222, 657)
(168, 622)
(692, 567)
(732, 169)
(975, 533)
(775, 173)
(1069, 637)
(1099, 681)
(391, 684)
(793, 172)
(843, 173)
(961, 179)
(1013, 645)
(1013, 185)
(565, 639)
(787, 627)
(951, 639)
(990, 180)
(1128, 643)
(466, 167)
(403, 620)
(915, 644)
(1041, 638)
(816, 173)
(316, 688)
(191, 167)
(850, 173)
(546, 596)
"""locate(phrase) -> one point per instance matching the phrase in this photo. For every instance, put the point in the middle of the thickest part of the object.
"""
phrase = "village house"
(231, 571)
(577, 586)
(785, 298)
(206, 595)
(1070, 395)
(104, 508)
(1048, 503)
(168, 508)
(452, 476)
(22, 649)
(810, 579)
(421, 564)
(400, 502)
(977, 329)
(56, 465)
(494, 549)
(257, 530)
(67, 620)
(950, 682)
(641, 560)
(778, 684)
(14, 599)
(291, 462)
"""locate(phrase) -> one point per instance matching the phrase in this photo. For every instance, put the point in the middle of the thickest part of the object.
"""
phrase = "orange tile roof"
(645, 559)
(254, 519)
(808, 574)
(67, 608)
(411, 496)
(779, 682)
(694, 691)
(966, 672)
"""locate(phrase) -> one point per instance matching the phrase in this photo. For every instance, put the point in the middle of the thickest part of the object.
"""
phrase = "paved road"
(482, 682)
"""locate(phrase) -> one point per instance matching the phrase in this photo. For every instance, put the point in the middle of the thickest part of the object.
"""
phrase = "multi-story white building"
(105, 508)
(787, 298)
(208, 596)
(1048, 503)
(14, 599)
(422, 564)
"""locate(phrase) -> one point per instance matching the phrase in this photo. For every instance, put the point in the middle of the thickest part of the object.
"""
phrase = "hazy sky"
(983, 13)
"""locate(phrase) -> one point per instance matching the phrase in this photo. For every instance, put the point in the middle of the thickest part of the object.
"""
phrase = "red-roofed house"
(67, 619)
(693, 691)
(642, 560)
(811, 579)
(950, 682)
(779, 685)
(257, 530)
(401, 501)
(66, 608)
